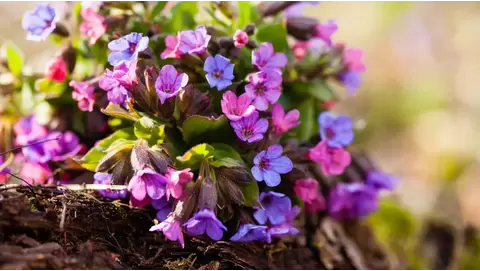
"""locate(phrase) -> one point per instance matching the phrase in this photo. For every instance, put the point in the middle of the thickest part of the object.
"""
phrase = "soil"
(52, 228)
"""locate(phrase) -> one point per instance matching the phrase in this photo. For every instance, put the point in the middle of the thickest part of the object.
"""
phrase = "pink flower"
(283, 122)
(171, 50)
(265, 58)
(326, 30)
(93, 26)
(176, 180)
(194, 41)
(306, 189)
(251, 128)
(264, 87)
(300, 49)
(56, 69)
(169, 83)
(332, 160)
(316, 205)
(84, 94)
(240, 38)
(353, 59)
(171, 228)
(236, 108)
(35, 173)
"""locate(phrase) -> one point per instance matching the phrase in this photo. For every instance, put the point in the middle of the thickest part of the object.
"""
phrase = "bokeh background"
(417, 112)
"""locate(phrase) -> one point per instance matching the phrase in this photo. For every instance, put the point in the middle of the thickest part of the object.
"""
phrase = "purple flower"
(170, 82)
(250, 129)
(205, 221)
(275, 207)
(251, 232)
(336, 130)
(219, 71)
(352, 81)
(126, 48)
(37, 153)
(326, 30)
(147, 182)
(67, 145)
(171, 228)
(105, 178)
(269, 164)
(352, 200)
(84, 94)
(235, 107)
(264, 87)
(118, 82)
(265, 58)
(194, 42)
(163, 207)
(297, 9)
(40, 23)
(27, 130)
(285, 228)
(380, 180)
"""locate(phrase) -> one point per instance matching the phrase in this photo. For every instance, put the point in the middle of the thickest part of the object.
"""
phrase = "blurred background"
(417, 110)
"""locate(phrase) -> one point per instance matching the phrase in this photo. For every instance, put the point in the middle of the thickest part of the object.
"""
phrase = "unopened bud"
(225, 42)
(251, 44)
(273, 8)
(61, 30)
(249, 29)
(228, 9)
(208, 195)
(139, 157)
(69, 55)
(302, 28)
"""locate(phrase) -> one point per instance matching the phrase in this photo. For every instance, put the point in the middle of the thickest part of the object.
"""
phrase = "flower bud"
(158, 159)
(187, 203)
(225, 42)
(302, 28)
(251, 44)
(273, 8)
(139, 157)
(192, 101)
(228, 9)
(69, 55)
(208, 195)
(61, 30)
(240, 38)
(249, 29)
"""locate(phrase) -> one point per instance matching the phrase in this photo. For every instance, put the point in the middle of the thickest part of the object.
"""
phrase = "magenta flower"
(118, 82)
(316, 205)
(67, 145)
(171, 47)
(326, 30)
(176, 180)
(105, 178)
(240, 38)
(170, 82)
(56, 69)
(332, 160)
(40, 23)
(163, 207)
(84, 94)
(275, 207)
(269, 164)
(171, 228)
(352, 57)
(27, 130)
(282, 122)
(351, 200)
(126, 48)
(251, 232)
(219, 71)
(205, 221)
(265, 58)
(336, 130)
(380, 180)
(194, 41)
(264, 87)
(251, 128)
(236, 108)
(306, 189)
(147, 182)
(93, 26)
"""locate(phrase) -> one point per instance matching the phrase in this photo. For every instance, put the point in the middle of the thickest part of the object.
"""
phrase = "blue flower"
(251, 232)
(105, 178)
(126, 48)
(336, 130)
(163, 207)
(380, 180)
(205, 221)
(269, 164)
(352, 81)
(219, 71)
(352, 200)
(40, 23)
(275, 208)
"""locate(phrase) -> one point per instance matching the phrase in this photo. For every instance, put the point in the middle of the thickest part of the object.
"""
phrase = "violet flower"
(264, 88)
(126, 48)
(269, 164)
(93, 26)
(118, 82)
(170, 82)
(297, 8)
(336, 130)
(275, 207)
(351, 80)
(332, 160)
(236, 108)
(205, 221)
(27, 130)
(326, 30)
(147, 182)
(40, 23)
(251, 128)
(265, 58)
(219, 71)
(194, 41)
(380, 180)
(84, 94)
(240, 38)
(171, 48)
(176, 180)
(67, 145)
(282, 122)
(251, 232)
(171, 228)
(163, 207)
(105, 178)
(37, 153)
(286, 227)
(351, 200)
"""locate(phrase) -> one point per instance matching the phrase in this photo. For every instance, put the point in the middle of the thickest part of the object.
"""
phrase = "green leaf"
(54, 89)
(14, 58)
(99, 52)
(183, 16)
(250, 192)
(157, 9)
(226, 156)
(92, 157)
(275, 34)
(318, 89)
(193, 157)
(308, 125)
(115, 110)
(148, 129)
(244, 8)
(226, 162)
(197, 129)
(27, 101)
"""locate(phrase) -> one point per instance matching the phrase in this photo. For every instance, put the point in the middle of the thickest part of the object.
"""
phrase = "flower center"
(133, 46)
(218, 74)
(247, 132)
(260, 89)
(263, 164)
(329, 133)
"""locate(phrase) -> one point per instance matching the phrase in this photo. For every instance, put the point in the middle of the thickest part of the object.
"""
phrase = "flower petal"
(281, 165)
(257, 173)
(271, 178)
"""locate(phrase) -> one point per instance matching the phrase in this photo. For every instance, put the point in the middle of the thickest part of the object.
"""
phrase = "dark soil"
(51, 228)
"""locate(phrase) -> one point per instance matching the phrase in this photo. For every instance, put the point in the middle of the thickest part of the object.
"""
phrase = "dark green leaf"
(197, 129)
(308, 125)
(250, 193)
(112, 157)
(193, 157)
(14, 58)
(226, 156)
(318, 89)
(275, 34)
(148, 129)
(157, 9)
(115, 110)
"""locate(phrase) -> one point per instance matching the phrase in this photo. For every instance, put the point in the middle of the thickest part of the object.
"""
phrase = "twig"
(28, 145)
(64, 214)
(73, 187)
